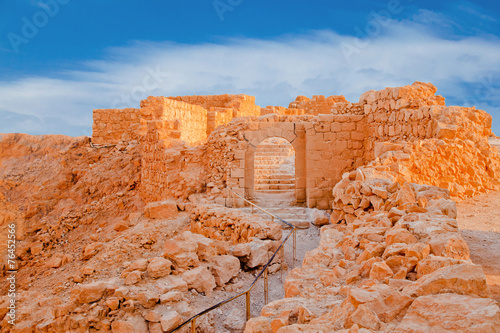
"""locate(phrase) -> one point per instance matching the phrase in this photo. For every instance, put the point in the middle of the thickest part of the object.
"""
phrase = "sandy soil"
(479, 221)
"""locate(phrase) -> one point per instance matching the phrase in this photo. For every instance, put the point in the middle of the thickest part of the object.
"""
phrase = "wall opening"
(274, 167)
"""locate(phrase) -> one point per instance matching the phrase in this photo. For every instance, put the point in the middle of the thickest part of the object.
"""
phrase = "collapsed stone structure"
(152, 191)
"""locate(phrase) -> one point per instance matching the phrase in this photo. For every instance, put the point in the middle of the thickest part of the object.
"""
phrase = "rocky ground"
(479, 222)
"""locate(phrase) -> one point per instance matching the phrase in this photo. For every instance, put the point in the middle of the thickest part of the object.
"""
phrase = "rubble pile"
(396, 262)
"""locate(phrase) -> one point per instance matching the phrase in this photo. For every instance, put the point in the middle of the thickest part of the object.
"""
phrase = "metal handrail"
(264, 272)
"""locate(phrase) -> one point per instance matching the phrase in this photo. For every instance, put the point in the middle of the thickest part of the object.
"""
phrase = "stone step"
(274, 191)
(267, 166)
(270, 175)
(269, 181)
(274, 146)
(276, 162)
(283, 158)
(300, 212)
(265, 187)
(266, 152)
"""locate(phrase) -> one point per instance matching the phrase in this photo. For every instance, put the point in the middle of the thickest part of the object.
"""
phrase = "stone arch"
(288, 131)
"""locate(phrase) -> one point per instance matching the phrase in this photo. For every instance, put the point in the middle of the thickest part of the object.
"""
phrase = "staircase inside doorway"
(274, 167)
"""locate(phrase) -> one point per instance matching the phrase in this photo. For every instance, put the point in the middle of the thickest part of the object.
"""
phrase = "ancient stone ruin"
(146, 223)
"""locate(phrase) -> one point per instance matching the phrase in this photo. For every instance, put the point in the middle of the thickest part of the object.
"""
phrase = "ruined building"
(147, 223)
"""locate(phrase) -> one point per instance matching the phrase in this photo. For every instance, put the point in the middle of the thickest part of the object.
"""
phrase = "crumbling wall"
(402, 113)
(282, 111)
(111, 126)
(232, 225)
(317, 105)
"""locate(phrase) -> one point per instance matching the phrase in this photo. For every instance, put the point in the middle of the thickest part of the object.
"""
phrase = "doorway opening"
(274, 166)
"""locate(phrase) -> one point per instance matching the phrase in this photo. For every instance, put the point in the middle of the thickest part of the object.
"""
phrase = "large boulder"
(451, 313)
(432, 263)
(224, 268)
(91, 292)
(159, 267)
(181, 253)
(170, 320)
(464, 279)
(200, 279)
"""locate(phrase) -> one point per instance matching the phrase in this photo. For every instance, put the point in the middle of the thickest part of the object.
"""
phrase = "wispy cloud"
(275, 71)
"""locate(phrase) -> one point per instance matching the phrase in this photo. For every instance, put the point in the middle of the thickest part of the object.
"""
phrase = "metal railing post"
(193, 326)
(282, 261)
(247, 296)
(266, 288)
(294, 246)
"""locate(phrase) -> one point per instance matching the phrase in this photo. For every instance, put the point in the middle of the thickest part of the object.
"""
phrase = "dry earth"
(479, 221)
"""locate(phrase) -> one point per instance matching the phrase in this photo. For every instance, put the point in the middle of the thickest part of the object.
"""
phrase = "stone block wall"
(217, 117)
(334, 144)
(155, 159)
(192, 118)
(317, 105)
(111, 126)
(243, 105)
(232, 225)
(282, 111)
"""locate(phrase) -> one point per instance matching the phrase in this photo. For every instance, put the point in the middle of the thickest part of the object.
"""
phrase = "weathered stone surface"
(161, 210)
(451, 313)
(399, 235)
(159, 267)
(200, 279)
(170, 320)
(224, 268)
(91, 292)
(364, 317)
(181, 253)
(450, 245)
(148, 299)
(172, 282)
(432, 263)
(133, 278)
(171, 296)
(380, 271)
(465, 279)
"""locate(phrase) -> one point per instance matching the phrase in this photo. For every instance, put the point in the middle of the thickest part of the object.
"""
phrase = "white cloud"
(275, 71)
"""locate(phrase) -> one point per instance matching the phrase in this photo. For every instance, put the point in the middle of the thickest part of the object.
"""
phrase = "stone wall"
(243, 105)
(317, 105)
(282, 111)
(326, 145)
(192, 118)
(223, 108)
(232, 225)
(111, 126)
(218, 117)
(334, 145)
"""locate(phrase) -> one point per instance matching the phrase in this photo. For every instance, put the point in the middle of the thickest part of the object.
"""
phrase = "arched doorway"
(292, 134)
(274, 167)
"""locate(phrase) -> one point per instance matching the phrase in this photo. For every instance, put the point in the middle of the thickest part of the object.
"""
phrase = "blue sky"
(59, 59)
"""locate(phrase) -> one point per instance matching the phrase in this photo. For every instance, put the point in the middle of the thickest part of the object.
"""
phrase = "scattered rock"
(200, 279)
(159, 267)
(224, 268)
(161, 210)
